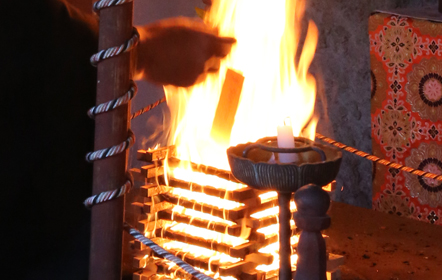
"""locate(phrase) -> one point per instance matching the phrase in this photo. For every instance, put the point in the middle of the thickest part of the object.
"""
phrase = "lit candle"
(286, 140)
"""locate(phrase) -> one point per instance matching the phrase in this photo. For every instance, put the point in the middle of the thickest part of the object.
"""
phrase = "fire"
(207, 234)
(274, 211)
(274, 87)
(207, 199)
(202, 216)
(206, 180)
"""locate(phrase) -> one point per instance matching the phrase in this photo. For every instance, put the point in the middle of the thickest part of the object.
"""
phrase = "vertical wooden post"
(285, 267)
(312, 203)
(110, 129)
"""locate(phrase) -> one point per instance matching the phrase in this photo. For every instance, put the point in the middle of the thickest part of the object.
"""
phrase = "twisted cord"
(100, 4)
(111, 105)
(166, 255)
(147, 108)
(114, 51)
(109, 195)
(112, 151)
(379, 160)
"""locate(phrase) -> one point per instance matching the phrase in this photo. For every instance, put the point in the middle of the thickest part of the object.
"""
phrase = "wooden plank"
(150, 207)
(200, 261)
(146, 272)
(227, 107)
(225, 174)
(189, 239)
(231, 215)
(156, 155)
(245, 249)
(259, 258)
(252, 274)
(240, 195)
(137, 245)
(234, 230)
(154, 190)
(150, 226)
(152, 170)
(139, 261)
(234, 270)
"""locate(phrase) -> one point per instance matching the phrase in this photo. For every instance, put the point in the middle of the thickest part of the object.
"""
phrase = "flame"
(200, 215)
(197, 251)
(206, 180)
(274, 211)
(274, 87)
(273, 230)
(206, 199)
(207, 234)
(274, 249)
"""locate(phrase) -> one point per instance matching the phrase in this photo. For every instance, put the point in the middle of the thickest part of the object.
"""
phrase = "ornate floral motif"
(398, 45)
(428, 157)
(394, 129)
(432, 217)
(394, 204)
(427, 27)
(424, 89)
(406, 114)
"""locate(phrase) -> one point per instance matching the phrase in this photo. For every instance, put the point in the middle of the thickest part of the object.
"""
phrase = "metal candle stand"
(318, 165)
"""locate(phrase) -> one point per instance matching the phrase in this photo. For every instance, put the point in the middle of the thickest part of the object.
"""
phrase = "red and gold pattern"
(406, 113)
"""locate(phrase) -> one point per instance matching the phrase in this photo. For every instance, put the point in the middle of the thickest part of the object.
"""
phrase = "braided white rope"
(114, 51)
(109, 195)
(112, 151)
(108, 3)
(111, 105)
(167, 255)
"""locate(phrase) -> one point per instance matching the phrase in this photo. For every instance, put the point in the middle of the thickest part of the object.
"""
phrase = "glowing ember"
(273, 230)
(205, 199)
(274, 211)
(206, 180)
(196, 252)
(274, 88)
(207, 234)
(202, 216)
(268, 196)
(273, 249)
(275, 264)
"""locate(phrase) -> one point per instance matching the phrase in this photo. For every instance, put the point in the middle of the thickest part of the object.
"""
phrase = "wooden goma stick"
(227, 107)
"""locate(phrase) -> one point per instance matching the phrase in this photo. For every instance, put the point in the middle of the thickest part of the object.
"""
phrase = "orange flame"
(274, 88)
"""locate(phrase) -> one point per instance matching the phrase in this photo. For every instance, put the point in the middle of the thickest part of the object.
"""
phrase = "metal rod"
(285, 268)
(110, 129)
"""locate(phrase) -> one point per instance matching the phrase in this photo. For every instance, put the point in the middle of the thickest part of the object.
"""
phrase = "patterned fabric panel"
(406, 114)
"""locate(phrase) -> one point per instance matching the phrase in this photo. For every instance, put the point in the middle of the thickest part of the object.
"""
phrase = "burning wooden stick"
(227, 107)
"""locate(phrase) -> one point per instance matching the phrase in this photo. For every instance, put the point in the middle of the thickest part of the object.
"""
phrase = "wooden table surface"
(382, 246)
